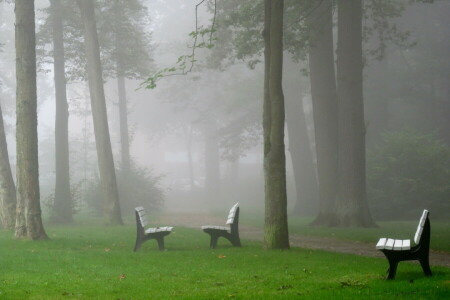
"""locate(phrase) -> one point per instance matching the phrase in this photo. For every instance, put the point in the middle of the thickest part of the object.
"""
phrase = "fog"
(199, 136)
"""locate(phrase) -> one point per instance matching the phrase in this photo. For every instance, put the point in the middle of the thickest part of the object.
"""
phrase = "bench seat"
(215, 227)
(158, 229)
(391, 244)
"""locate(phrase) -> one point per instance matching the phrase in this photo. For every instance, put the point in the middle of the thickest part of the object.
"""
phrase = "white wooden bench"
(399, 250)
(143, 234)
(230, 233)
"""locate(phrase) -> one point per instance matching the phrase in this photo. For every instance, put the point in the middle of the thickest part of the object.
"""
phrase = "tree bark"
(351, 206)
(325, 109)
(7, 185)
(28, 218)
(62, 208)
(276, 235)
(99, 114)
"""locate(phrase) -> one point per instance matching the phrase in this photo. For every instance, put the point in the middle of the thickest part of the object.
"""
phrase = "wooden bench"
(231, 233)
(400, 250)
(142, 234)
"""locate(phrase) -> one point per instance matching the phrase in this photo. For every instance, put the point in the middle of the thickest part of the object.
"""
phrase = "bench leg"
(160, 243)
(425, 266)
(236, 241)
(213, 242)
(392, 269)
(138, 244)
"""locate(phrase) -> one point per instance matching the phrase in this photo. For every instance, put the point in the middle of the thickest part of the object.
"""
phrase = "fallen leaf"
(122, 276)
(221, 256)
(107, 249)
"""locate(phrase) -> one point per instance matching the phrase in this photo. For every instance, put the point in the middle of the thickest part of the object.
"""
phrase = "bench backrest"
(140, 216)
(420, 227)
(232, 214)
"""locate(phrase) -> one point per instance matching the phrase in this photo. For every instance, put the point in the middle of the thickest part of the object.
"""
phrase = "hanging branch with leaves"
(203, 38)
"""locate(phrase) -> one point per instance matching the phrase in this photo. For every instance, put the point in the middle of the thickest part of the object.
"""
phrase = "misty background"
(197, 138)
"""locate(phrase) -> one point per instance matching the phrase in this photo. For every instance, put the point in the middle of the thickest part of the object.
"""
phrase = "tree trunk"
(7, 186)
(62, 208)
(276, 235)
(123, 112)
(28, 218)
(212, 160)
(98, 106)
(188, 140)
(325, 109)
(351, 205)
(302, 158)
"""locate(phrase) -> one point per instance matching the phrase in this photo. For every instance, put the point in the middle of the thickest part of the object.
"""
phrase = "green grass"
(440, 231)
(95, 262)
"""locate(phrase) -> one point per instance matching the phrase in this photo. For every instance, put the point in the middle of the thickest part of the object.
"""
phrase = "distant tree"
(125, 45)
(325, 107)
(276, 234)
(28, 218)
(351, 202)
(127, 22)
(99, 114)
(62, 208)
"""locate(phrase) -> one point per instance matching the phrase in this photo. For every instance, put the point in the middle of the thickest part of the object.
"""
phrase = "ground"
(192, 220)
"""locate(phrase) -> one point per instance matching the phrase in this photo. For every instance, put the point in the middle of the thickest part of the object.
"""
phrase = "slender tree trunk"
(188, 136)
(99, 114)
(302, 159)
(276, 235)
(212, 160)
(325, 109)
(7, 186)
(351, 208)
(62, 208)
(123, 112)
(28, 218)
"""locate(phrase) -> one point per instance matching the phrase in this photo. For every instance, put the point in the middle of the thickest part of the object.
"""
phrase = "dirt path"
(319, 243)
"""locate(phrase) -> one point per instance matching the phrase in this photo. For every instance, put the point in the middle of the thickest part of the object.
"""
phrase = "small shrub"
(137, 187)
(407, 173)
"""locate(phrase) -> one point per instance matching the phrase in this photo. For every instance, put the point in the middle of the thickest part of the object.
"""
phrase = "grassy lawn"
(94, 262)
(440, 231)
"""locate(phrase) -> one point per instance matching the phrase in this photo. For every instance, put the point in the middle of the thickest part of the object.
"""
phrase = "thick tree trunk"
(7, 186)
(123, 113)
(351, 205)
(325, 109)
(98, 106)
(28, 218)
(276, 235)
(62, 208)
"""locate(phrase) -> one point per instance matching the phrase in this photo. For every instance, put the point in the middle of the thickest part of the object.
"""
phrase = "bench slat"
(406, 245)
(389, 244)
(398, 244)
(423, 218)
(232, 214)
(381, 243)
(418, 234)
